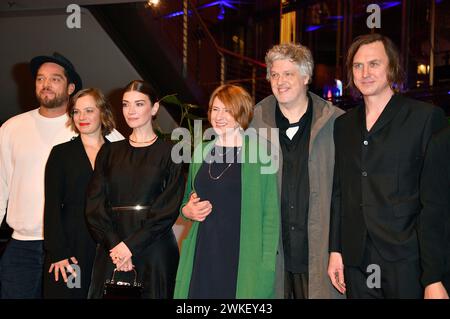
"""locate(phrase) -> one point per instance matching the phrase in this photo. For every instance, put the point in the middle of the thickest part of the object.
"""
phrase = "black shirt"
(295, 189)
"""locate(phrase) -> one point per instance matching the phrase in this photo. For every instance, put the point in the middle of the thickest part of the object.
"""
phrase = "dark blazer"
(66, 234)
(435, 216)
(376, 179)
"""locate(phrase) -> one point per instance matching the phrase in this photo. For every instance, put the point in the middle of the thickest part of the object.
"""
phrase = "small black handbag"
(116, 289)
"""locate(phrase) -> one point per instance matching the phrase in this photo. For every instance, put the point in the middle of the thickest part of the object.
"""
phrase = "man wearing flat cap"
(25, 143)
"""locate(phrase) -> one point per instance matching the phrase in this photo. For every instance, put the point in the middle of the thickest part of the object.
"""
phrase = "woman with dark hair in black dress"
(133, 201)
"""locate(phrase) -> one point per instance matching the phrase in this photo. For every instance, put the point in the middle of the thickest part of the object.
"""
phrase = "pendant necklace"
(216, 149)
(226, 168)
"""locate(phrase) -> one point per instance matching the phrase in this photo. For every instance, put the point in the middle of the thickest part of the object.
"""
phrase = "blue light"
(338, 91)
(448, 92)
(336, 17)
(313, 28)
(229, 5)
(176, 14)
(390, 4)
(211, 4)
(221, 3)
(221, 14)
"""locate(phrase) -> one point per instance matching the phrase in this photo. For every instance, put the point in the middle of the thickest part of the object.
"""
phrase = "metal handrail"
(222, 66)
(219, 49)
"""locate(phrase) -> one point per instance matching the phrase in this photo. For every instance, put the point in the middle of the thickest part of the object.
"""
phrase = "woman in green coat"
(231, 199)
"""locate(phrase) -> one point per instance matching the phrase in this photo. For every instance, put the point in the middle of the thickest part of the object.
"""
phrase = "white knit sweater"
(25, 144)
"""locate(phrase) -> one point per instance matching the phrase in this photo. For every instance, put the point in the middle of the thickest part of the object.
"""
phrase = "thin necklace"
(226, 168)
(222, 154)
(145, 142)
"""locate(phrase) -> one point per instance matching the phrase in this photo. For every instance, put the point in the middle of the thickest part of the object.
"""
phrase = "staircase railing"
(209, 63)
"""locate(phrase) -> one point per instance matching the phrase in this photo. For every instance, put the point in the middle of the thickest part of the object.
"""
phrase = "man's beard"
(52, 103)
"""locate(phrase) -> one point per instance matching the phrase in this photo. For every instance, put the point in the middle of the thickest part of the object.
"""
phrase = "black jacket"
(66, 234)
(376, 179)
(435, 216)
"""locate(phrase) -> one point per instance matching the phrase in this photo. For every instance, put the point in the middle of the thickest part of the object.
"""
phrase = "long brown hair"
(395, 73)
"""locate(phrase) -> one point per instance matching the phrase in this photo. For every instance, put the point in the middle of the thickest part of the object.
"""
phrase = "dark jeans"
(21, 269)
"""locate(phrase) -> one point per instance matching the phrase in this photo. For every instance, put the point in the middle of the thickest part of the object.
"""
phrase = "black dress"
(216, 260)
(67, 175)
(128, 176)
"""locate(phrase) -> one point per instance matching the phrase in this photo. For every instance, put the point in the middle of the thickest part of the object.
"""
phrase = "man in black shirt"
(304, 140)
(380, 146)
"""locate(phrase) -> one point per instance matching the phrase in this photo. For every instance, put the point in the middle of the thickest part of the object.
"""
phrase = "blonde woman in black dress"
(133, 201)
(69, 168)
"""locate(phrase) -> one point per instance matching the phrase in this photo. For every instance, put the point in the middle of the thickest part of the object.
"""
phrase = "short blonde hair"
(106, 114)
(237, 99)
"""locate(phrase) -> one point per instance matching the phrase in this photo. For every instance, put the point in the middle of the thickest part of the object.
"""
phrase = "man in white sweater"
(25, 143)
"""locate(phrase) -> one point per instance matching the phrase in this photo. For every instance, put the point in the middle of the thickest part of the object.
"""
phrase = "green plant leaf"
(195, 117)
(171, 99)
(191, 106)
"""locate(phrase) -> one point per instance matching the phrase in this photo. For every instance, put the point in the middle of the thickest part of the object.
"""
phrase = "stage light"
(152, 3)
(222, 4)
(338, 91)
(423, 69)
(221, 14)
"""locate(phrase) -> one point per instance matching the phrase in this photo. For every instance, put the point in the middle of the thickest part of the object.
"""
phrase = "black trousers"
(377, 278)
(446, 282)
(295, 285)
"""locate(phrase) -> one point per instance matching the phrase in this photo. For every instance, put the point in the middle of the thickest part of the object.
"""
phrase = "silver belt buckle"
(135, 208)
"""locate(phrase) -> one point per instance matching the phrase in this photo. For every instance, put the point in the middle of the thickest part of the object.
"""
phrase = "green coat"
(260, 229)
